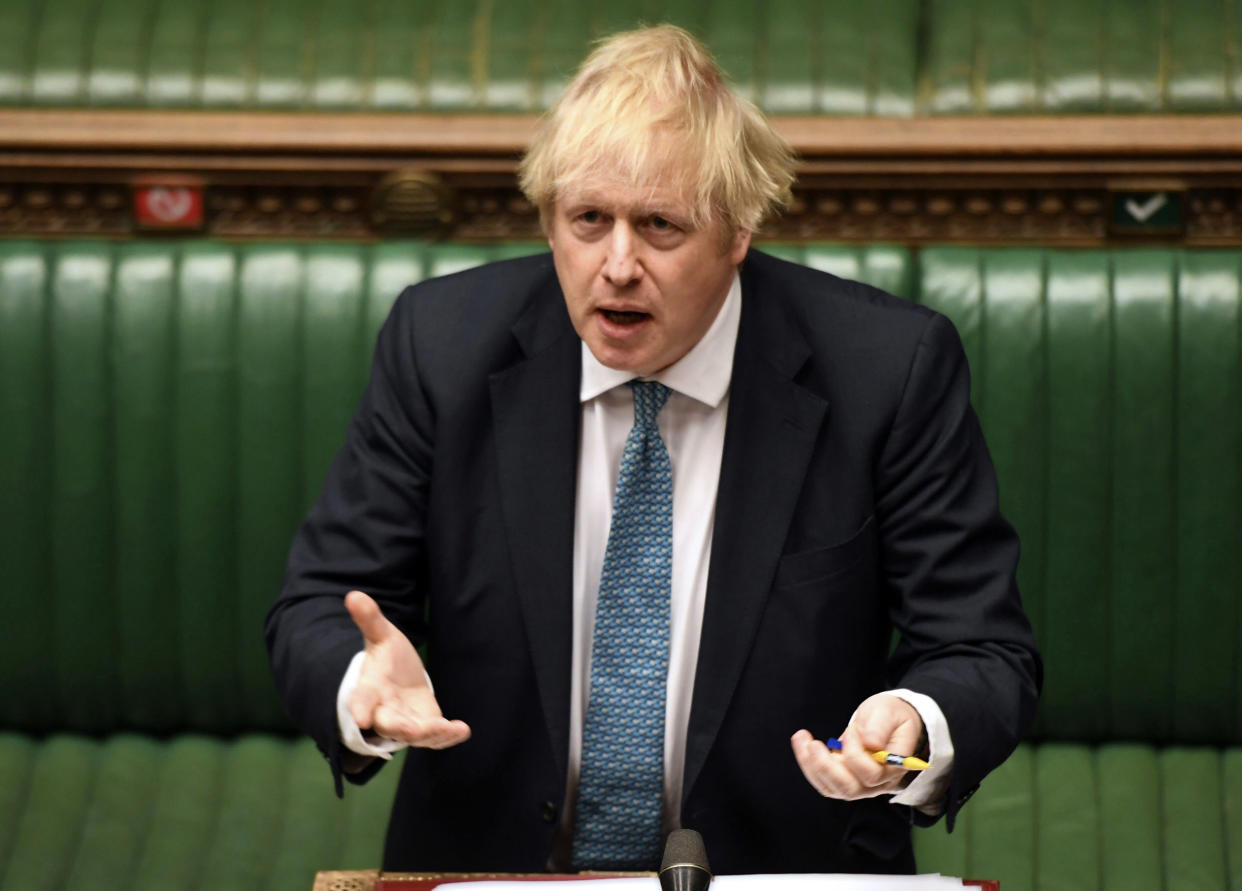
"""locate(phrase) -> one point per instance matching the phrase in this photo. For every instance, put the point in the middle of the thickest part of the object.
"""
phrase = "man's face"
(642, 286)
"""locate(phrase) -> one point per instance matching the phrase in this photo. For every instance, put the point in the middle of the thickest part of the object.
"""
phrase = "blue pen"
(907, 761)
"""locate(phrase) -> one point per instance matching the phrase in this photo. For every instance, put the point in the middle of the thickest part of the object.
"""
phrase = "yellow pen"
(909, 762)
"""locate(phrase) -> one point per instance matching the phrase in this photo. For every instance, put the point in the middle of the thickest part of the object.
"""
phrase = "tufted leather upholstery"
(884, 57)
(1117, 816)
(168, 410)
(132, 811)
(1067, 56)
(1109, 386)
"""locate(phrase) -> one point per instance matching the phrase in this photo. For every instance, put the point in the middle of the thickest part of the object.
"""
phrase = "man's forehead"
(669, 196)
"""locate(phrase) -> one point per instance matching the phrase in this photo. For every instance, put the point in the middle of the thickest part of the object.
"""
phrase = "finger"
(396, 723)
(427, 731)
(809, 761)
(449, 733)
(825, 770)
(434, 730)
(367, 616)
(863, 768)
(362, 703)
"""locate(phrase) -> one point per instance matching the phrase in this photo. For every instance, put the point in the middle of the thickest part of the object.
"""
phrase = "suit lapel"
(535, 411)
(770, 435)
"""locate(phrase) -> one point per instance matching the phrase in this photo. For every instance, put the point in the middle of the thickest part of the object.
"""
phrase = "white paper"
(835, 882)
(645, 883)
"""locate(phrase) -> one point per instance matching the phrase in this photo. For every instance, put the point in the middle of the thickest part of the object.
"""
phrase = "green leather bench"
(883, 57)
(1110, 387)
(167, 411)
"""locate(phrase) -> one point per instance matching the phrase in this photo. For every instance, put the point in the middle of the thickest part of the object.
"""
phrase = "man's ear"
(739, 245)
(545, 222)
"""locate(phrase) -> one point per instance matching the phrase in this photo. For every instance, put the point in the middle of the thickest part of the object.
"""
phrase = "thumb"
(367, 616)
(887, 721)
(874, 734)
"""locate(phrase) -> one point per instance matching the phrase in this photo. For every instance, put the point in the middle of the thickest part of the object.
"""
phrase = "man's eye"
(661, 225)
(590, 217)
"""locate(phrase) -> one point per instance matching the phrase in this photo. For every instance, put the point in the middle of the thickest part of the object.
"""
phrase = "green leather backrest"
(882, 57)
(167, 414)
(133, 812)
(1110, 388)
(1117, 817)
(790, 55)
(1067, 56)
(168, 411)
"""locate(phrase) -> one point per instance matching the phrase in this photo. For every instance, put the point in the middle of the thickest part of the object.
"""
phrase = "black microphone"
(685, 862)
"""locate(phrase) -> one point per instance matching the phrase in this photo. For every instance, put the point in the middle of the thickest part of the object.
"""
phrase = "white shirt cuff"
(351, 733)
(929, 787)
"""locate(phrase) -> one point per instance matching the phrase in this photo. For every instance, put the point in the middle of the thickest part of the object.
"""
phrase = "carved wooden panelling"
(1053, 181)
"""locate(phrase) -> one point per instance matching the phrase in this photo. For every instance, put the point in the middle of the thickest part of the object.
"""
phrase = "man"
(654, 505)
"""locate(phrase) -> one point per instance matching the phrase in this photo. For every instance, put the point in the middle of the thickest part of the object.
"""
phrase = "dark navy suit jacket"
(856, 496)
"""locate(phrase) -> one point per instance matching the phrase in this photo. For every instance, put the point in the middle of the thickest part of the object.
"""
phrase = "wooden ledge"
(1048, 136)
(292, 132)
(1075, 180)
(199, 132)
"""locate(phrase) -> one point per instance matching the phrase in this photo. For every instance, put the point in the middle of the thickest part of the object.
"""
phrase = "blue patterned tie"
(621, 785)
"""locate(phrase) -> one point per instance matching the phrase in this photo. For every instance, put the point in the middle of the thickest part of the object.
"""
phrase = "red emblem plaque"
(168, 206)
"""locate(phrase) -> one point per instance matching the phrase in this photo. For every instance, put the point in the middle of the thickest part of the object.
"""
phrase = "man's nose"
(622, 266)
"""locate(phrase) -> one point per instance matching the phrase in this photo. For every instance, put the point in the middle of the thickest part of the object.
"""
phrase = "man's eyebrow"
(584, 197)
(663, 210)
(681, 217)
(651, 205)
(670, 209)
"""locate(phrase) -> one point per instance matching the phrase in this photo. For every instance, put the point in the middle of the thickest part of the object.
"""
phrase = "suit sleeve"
(949, 560)
(365, 531)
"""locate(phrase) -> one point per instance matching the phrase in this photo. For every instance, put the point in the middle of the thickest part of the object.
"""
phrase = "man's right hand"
(393, 697)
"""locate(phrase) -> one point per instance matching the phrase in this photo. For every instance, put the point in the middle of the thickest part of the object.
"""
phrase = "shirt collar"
(703, 374)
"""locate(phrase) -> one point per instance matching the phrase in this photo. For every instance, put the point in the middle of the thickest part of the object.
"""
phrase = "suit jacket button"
(547, 810)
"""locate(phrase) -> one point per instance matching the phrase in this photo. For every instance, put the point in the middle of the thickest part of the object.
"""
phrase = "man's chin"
(632, 359)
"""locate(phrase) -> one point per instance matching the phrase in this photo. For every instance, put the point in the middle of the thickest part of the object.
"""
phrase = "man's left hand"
(882, 722)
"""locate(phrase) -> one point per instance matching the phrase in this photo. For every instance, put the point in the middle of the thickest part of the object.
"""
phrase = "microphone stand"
(684, 867)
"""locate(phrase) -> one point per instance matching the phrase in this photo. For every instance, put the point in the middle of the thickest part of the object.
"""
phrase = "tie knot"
(649, 398)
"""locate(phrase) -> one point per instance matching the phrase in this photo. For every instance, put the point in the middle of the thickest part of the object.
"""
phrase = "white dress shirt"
(692, 425)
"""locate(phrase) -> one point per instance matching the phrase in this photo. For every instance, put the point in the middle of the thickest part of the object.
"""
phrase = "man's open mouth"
(624, 317)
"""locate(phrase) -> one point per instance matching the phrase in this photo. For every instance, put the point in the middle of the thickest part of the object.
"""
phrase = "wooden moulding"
(997, 180)
(507, 135)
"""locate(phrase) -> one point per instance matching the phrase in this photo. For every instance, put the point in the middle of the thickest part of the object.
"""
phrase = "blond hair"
(651, 103)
